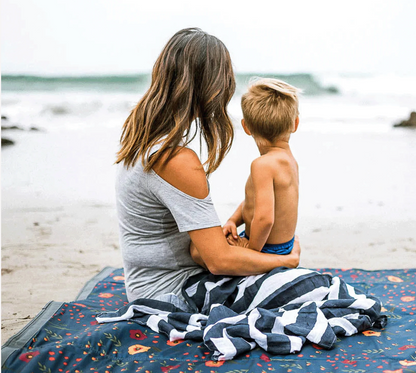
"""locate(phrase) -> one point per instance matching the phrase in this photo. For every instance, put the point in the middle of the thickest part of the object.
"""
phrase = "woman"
(163, 197)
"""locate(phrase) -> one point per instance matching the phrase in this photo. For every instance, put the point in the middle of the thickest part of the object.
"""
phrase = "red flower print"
(105, 295)
(137, 334)
(407, 298)
(350, 362)
(371, 333)
(405, 347)
(316, 346)
(118, 278)
(212, 363)
(95, 322)
(28, 356)
(174, 343)
(393, 371)
(265, 358)
(136, 349)
(168, 368)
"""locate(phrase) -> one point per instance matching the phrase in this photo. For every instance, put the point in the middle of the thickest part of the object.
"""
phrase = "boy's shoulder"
(273, 160)
(261, 163)
(277, 166)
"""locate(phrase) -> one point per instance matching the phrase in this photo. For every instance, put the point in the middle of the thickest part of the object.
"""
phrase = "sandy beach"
(59, 231)
(49, 254)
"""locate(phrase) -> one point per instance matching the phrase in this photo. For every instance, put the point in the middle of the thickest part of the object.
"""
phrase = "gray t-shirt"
(154, 218)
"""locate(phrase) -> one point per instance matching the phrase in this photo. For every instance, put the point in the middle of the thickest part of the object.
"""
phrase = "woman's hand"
(294, 256)
(221, 258)
(239, 241)
(292, 259)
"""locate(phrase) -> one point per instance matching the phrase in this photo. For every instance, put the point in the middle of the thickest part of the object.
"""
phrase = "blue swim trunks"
(280, 249)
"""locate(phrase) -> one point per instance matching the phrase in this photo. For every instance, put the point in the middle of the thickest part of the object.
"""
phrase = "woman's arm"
(184, 171)
(222, 259)
(195, 256)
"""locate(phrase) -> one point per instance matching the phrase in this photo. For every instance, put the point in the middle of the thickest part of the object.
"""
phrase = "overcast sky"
(52, 37)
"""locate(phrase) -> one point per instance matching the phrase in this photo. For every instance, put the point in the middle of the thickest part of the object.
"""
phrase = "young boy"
(270, 208)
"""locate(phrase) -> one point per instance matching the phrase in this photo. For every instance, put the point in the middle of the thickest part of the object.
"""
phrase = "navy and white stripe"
(278, 311)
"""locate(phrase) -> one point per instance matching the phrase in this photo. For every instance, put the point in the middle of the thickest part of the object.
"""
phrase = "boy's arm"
(236, 219)
(264, 201)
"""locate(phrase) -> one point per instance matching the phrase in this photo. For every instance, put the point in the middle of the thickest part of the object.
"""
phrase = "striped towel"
(278, 311)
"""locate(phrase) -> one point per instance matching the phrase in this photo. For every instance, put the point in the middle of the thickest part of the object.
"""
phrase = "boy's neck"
(266, 146)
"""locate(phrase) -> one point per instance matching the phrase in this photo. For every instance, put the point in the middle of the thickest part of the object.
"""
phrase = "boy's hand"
(230, 228)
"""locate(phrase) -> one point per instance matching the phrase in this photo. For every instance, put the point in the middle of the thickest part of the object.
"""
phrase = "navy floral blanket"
(66, 337)
(278, 311)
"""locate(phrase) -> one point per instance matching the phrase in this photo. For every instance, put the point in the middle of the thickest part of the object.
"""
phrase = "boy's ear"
(296, 125)
(246, 130)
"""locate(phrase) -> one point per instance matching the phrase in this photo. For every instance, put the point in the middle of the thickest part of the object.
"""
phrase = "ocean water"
(353, 162)
(330, 102)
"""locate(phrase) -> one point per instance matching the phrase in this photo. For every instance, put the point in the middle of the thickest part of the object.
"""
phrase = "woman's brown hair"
(192, 79)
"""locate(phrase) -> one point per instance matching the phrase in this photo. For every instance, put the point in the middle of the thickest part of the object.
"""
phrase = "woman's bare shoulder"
(185, 172)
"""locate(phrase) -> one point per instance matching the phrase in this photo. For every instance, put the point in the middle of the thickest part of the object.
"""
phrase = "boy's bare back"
(270, 209)
(272, 193)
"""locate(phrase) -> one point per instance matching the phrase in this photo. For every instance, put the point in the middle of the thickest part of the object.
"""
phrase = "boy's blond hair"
(270, 108)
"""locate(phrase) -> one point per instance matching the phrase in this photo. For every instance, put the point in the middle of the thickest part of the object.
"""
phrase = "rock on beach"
(6, 142)
(15, 128)
(7, 127)
(411, 122)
